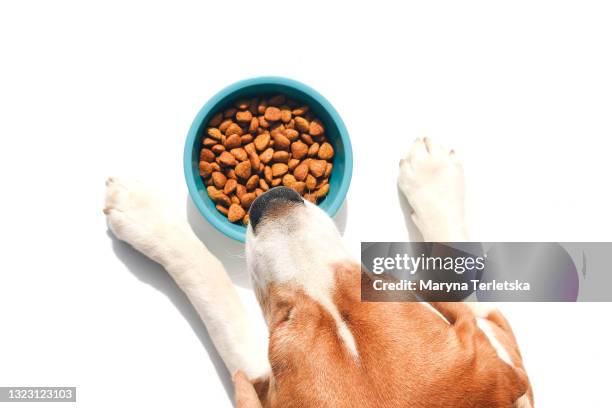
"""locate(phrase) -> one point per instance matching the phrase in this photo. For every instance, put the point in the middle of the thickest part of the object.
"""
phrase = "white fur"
(523, 402)
(482, 310)
(435, 311)
(431, 178)
(138, 218)
(301, 247)
(502, 353)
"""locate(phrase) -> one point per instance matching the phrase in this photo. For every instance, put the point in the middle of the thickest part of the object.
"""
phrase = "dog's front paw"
(134, 214)
(431, 179)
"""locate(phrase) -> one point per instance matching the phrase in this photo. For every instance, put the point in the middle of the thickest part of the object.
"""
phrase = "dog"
(326, 348)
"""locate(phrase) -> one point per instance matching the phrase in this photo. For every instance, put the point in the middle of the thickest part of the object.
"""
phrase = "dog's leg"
(431, 179)
(137, 217)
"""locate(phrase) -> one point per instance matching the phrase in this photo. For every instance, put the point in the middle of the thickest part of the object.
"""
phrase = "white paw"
(134, 214)
(431, 178)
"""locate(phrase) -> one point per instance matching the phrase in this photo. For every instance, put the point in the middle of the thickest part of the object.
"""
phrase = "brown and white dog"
(326, 348)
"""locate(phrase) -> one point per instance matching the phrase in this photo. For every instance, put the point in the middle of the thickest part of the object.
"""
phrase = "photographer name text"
(448, 287)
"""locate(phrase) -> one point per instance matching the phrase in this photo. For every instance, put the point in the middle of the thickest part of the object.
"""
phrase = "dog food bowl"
(334, 129)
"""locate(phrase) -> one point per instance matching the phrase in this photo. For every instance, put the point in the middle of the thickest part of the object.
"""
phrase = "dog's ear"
(244, 392)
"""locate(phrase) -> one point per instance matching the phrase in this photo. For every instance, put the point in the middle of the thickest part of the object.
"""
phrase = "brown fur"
(408, 356)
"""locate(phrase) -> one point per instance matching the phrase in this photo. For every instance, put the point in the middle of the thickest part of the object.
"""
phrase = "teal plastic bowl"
(334, 129)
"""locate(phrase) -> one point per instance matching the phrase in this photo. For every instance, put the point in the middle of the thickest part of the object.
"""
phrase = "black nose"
(271, 199)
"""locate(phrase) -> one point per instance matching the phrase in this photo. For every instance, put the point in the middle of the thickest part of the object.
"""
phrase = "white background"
(523, 91)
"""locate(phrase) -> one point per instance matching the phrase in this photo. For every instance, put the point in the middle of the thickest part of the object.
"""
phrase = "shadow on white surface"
(413, 231)
(340, 218)
(153, 274)
(231, 252)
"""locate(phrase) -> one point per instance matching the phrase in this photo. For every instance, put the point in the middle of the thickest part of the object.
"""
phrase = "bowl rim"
(192, 135)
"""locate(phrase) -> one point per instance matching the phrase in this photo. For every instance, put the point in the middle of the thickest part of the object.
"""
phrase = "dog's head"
(298, 267)
(326, 347)
(292, 243)
(291, 240)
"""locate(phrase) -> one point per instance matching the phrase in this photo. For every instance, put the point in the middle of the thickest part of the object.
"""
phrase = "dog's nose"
(272, 199)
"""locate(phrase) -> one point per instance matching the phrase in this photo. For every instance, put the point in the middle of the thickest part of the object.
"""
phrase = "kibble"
(259, 143)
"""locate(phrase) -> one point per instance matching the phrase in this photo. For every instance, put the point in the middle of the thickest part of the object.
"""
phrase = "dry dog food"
(260, 143)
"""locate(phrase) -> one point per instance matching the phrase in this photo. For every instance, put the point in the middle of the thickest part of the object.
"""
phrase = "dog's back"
(407, 355)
